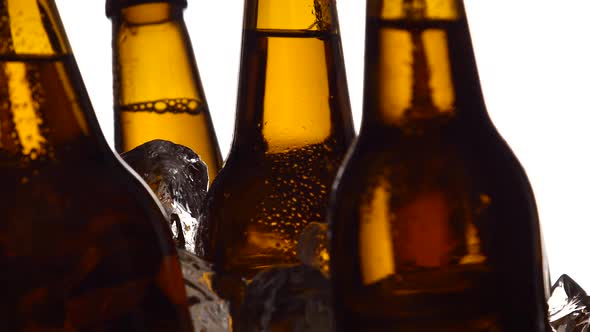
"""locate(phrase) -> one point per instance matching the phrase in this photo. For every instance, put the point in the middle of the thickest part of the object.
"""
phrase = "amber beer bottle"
(433, 221)
(157, 89)
(293, 128)
(83, 246)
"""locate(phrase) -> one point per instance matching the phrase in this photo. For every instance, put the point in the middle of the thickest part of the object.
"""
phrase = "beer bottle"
(157, 89)
(433, 222)
(293, 127)
(83, 245)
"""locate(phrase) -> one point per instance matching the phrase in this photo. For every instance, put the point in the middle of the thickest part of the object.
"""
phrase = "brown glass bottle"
(433, 221)
(292, 131)
(83, 245)
(157, 89)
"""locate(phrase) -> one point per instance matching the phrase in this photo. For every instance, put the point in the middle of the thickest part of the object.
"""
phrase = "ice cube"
(293, 299)
(569, 307)
(179, 179)
(313, 247)
(209, 312)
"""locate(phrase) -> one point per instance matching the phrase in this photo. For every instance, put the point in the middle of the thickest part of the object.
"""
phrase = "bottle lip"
(112, 6)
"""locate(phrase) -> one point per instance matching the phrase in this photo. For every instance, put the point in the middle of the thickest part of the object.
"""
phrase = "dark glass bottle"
(433, 221)
(293, 127)
(83, 245)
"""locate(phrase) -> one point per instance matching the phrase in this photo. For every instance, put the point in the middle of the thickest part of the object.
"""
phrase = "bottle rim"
(112, 6)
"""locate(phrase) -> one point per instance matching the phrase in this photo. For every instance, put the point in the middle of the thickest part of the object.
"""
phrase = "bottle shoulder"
(448, 153)
(260, 202)
(98, 180)
(253, 163)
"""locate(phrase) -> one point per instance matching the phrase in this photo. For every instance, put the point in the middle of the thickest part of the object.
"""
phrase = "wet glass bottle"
(157, 89)
(293, 128)
(433, 221)
(83, 245)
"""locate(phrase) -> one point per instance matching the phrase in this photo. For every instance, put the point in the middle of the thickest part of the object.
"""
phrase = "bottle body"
(157, 89)
(83, 245)
(447, 236)
(292, 131)
(87, 253)
(433, 221)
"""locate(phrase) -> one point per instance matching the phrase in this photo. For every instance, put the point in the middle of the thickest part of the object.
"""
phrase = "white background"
(534, 62)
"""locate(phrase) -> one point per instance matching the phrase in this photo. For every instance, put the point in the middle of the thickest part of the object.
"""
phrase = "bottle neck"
(419, 63)
(44, 104)
(308, 15)
(153, 61)
(292, 90)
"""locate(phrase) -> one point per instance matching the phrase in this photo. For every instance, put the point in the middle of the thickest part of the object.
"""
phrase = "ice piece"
(569, 307)
(179, 179)
(208, 311)
(313, 247)
(293, 299)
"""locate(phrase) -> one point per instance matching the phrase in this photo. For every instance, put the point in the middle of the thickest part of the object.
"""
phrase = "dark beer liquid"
(81, 248)
(434, 226)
